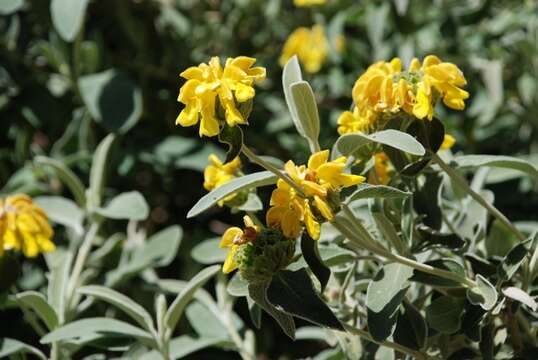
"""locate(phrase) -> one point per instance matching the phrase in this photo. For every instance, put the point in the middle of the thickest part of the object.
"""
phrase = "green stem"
(264, 164)
(461, 182)
(392, 345)
(80, 261)
(370, 244)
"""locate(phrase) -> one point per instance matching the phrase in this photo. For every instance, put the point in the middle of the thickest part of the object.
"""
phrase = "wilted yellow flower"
(24, 226)
(317, 181)
(310, 46)
(209, 86)
(386, 87)
(349, 122)
(233, 238)
(448, 142)
(304, 3)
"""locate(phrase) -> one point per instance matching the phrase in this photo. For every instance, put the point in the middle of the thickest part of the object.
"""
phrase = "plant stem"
(404, 350)
(80, 261)
(370, 244)
(264, 164)
(460, 181)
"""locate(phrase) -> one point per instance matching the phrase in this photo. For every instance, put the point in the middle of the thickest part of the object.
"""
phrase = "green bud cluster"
(269, 253)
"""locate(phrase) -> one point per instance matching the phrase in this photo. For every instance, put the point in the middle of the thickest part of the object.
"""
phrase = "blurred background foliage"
(70, 75)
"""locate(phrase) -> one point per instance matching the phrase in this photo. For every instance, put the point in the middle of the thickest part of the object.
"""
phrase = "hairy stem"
(267, 166)
(461, 182)
(400, 348)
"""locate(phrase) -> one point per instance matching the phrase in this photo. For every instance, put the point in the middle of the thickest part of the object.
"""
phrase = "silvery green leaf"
(483, 294)
(306, 109)
(11, 346)
(90, 329)
(98, 170)
(122, 302)
(175, 311)
(507, 162)
(209, 252)
(67, 176)
(185, 345)
(129, 206)
(444, 314)
(37, 302)
(349, 143)
(292, 74)
(246, 182)
(62, 211)
(68, 16)
(365, 191)
(521, 296)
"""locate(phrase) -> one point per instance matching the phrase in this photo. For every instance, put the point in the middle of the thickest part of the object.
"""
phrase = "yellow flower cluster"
(310, 46)
(24, 226)
(289, 211)
(233, 238)
(305, 3)
(209, 86)
(386, 87)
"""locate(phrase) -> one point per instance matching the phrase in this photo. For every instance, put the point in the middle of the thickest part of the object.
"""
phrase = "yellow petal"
(448, 142)
(291, 224)
(230, 264)
(274, 216)
(323, 208)
(318, 159)
(229, 236)
(312, 226)
(423, 107)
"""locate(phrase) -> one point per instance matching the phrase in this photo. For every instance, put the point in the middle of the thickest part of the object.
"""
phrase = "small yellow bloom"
(305, 3)
(209, 85)
(316, 180)
(217, 174)
(349, 122)
(24, 226)
(386, 87)
(448, 142)
(310, 46)
(233, 238)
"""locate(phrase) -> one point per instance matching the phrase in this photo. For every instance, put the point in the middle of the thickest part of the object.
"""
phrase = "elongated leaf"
(483, 294)
(67, 176)
(366, 191)
(237, 286)
(10, 6)
(209, 252)
(383, 298)
(11, 346)
(246, 182)
(122, 302)
(349, 143)
(310, 251)
(176, 309)
(521, 296)
(293, 292)
(62, 211)
(233, 137)
(444, 264)
(68, 16)
(36, 301)
(258, 293)
(59, 275)
(411, 328)
(433, 238)
(444, 314)
(507, 162)
(129, 205)
(185, 345)
(90, 329)
(512, 261)
(307, 111)
(98, 170)
(113, 99)
(204, 322)
(290, 75)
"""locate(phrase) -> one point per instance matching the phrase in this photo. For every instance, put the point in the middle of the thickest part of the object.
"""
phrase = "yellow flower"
(233, 238)
(386, 87)
(316, 180)
(217, 173)
(208, 84)
(349, 122)
(24, 226)
(382, 169)
(448, 142)
(310, 46)
(304, 3)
